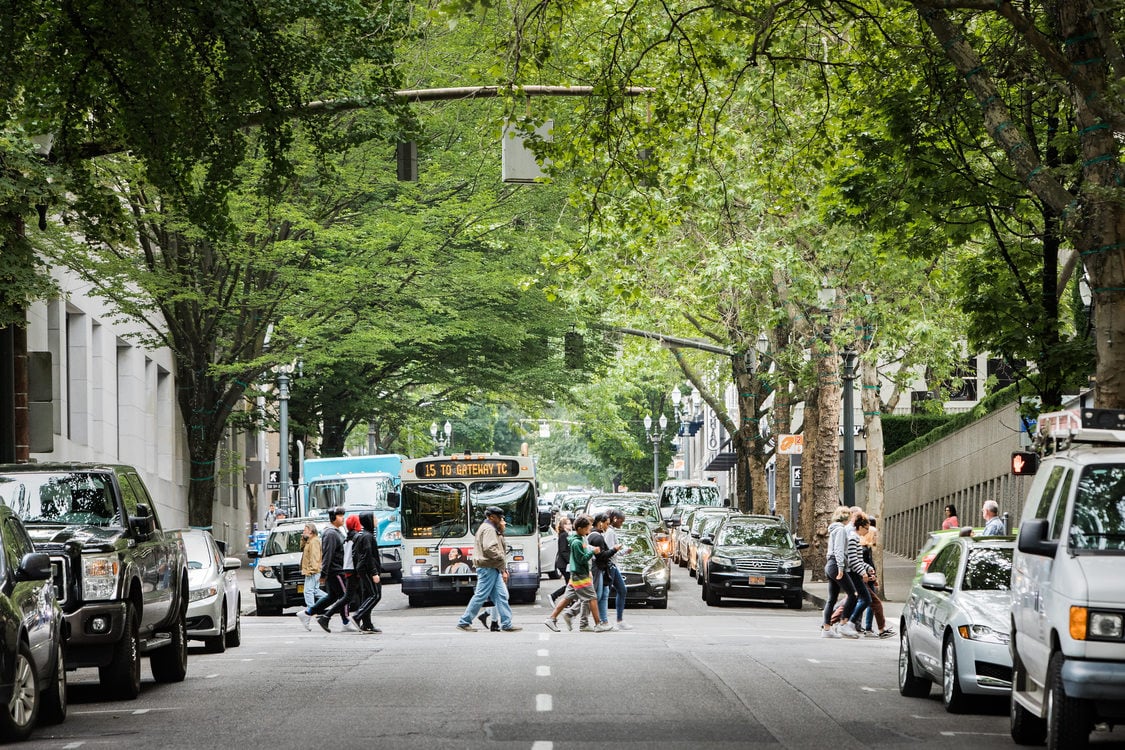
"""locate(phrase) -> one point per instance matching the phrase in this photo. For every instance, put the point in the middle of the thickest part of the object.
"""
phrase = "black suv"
(753, 557)
(120, 578)
(32, 631)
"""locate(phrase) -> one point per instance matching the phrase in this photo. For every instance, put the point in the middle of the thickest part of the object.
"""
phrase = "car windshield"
(639, 540)
(198, 551)
(702, 495)
(1097, 523)
(755, 535)
(645, 509)
(988, 569)
(354, 493)
(283, 541)
(700, 521)
(64, 497)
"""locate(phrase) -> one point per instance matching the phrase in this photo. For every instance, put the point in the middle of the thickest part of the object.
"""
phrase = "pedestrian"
(367, 574)
(599, 569)
(993, 523)
(616, 577)
(332, 577)
(835, 568)
(310, 563)
(950, 521)
(868, 542)
(562, 556)
(352, 529)
(490, 558)
(858, 572)
(271, 517)
(581, 586)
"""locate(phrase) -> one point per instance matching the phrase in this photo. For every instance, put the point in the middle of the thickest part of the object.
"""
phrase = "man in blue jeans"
(490, 558)
(614, 577)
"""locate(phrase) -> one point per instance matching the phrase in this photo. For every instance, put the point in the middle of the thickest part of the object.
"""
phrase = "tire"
(909, 684)
(710, 596)
(122, 676)
(1069, 720)
(22, 711)
(416, 600)
(53, 708)
(660, 603)
(795, 602)
(234, 636)
(1026, 728)
(169, 663)
(218, 644)
(951, 694)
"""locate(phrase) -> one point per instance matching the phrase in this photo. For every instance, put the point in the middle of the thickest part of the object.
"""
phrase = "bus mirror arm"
(394, 499)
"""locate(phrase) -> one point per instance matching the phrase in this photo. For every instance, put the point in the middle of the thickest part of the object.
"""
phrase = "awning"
(722, 461)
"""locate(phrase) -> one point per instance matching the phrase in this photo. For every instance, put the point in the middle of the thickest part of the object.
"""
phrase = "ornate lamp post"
(849, 357)
(657, 437)
(441, 442)
(283, 373)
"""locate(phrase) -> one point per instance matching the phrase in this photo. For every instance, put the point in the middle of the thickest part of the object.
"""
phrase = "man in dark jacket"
(332, 578)
(367, 574)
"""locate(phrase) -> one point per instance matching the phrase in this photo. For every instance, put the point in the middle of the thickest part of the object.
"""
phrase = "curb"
(813, 598)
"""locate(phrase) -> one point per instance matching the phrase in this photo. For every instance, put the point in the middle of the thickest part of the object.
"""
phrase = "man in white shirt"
(993, 523)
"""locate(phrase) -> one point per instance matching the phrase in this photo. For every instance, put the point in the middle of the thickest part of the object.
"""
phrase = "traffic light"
(1025, 463)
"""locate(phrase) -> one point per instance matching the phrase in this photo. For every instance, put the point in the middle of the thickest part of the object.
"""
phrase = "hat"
(492, 510)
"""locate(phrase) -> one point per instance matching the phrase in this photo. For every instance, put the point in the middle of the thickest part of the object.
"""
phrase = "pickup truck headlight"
(99, 577)
(197, 594)
(266, 571)
(982, 633)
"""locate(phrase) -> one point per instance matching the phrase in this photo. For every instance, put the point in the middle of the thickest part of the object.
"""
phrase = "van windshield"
(681, 495)
(1098, 521)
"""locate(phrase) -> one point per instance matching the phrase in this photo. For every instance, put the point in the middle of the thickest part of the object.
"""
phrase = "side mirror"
(231, 563)
(253, 553)
(800, 543)
(35, 566)
(222, 546)
(394, 498)
(934, 582)
(707, 540)
(143, 523)
(1033, 539)
(544, 520)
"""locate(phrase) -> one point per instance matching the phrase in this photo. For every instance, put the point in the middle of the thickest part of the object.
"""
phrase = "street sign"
(274, 481)
(795, 474)
(790, 445)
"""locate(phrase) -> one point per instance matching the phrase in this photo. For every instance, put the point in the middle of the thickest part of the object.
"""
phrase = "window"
(1043, 509)
(988, 569)
(434, 510)
(1098, 520)
(1055, 530)
(947, 562)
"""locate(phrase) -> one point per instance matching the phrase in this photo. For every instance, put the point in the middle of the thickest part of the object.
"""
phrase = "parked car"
(1068, 587)
(681, 538)
(751, 557)
(278, 582)
(214, 613)
(120, 577)
(32, 635)
(637, 506)
(954, 627)
(704, 520)
(647, 573)
(935, 541)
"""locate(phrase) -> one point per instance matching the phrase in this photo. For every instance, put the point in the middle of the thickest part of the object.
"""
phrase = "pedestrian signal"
(1025, 463)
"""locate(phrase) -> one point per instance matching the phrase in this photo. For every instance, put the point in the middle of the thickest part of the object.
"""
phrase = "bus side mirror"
(394, 499)
(545, 520)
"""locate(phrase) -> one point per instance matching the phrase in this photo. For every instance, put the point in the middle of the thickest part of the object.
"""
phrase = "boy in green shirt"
(581, 586)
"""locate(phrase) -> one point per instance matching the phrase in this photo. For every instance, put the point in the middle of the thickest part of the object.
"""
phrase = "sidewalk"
(898, 576)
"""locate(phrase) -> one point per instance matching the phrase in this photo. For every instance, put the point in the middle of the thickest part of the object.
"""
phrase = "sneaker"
(370, 630)
(603, 627)
(483, 619)
(552, 624)
(887, 633)
(322, 621)
(848, 630)
(350, 627)
(305, 618)
(466, 627)
(829, 633)
(568, 620)
(622, 625)
(495, 627)
(585, 629)
(870, 634)
(511, 629)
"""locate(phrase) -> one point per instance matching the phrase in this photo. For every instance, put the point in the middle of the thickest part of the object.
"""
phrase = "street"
(742, 675)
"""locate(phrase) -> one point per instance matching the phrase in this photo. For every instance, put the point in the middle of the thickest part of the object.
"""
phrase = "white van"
(677, 494)
(1068, 583)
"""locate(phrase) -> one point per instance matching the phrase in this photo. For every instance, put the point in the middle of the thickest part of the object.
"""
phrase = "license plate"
(757, 581)
(300, 588)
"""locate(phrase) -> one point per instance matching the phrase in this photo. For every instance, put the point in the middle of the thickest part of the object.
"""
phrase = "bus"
(442, 505)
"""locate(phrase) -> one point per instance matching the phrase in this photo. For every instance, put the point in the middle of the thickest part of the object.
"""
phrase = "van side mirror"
(1033, 539)
(394, 498)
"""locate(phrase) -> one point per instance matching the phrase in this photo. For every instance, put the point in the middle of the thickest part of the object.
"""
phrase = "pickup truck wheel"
(169, 663)
(1068, 719)
(53, 710)
(122, 676)
(218, 644)
(234, 636)
(19, 714)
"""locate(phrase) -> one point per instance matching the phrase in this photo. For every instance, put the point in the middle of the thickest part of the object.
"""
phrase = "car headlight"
(982, 633)
(657, 575)
(99, 577)
(266, 571)
(722, 561)
(791, 564)
(196, 594)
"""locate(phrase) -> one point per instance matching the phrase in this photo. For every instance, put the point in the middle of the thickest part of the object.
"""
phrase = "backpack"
(349, 564)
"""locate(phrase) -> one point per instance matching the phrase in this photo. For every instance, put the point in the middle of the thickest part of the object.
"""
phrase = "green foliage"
(900, 429)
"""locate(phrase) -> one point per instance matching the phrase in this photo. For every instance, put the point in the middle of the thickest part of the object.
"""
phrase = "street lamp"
(283, 373)
(656, 436)
(849, 357)
(685, 415)
(441, 442)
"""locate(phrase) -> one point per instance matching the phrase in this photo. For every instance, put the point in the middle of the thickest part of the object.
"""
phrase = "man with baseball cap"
(490, 558)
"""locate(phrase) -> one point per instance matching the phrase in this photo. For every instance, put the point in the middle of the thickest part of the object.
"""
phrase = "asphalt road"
(743, 675)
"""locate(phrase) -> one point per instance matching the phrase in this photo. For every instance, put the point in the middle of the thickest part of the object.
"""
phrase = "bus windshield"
(517, 499)
(354, 493)
(434, 510)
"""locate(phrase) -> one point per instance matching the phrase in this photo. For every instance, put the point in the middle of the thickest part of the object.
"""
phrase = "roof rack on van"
(1059, 429)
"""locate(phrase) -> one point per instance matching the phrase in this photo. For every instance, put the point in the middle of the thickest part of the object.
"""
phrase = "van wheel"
(1026, 727)
(909, 684)
(1069, 720)
(951, 694)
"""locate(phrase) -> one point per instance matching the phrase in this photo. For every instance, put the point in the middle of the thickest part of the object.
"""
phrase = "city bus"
(443, 499)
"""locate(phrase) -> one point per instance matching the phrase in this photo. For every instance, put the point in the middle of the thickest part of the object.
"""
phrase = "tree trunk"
(824, 460)
(876, 475)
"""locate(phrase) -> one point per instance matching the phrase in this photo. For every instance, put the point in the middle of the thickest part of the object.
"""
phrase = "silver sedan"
(955, 625)
(214, 605)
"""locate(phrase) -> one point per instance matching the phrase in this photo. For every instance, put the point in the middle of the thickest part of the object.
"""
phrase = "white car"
(278, 583)
(214, 603)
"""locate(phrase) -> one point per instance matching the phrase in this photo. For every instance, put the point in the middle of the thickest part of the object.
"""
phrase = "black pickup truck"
(120, 578)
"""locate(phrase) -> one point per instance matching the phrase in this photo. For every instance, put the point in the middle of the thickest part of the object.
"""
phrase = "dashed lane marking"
(543, 671)
(543, 702)
(542, 652)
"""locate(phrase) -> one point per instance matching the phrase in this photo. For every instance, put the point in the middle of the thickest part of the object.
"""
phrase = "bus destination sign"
(452, 468)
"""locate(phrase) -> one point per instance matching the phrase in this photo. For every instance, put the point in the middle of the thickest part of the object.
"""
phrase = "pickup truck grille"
(60, 573)
(288, 573)
(756, 564)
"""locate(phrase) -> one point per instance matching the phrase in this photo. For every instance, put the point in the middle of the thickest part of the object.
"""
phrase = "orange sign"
(791, 445)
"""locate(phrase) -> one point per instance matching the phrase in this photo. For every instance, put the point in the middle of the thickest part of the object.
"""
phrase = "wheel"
(234, 636)
(122, 676)
(53, 710)
(951, 694)
(795, 602)
(19, 716)
(1069, 720)
(909, 684)
(416, 600)
(169, 663)
(1026, 727)
(710, 596)
(218, 644)
(660, 603)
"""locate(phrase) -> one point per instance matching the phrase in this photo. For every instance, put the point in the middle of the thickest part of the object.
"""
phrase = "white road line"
(542, 652)
(814, 661)
(543, 671)
(140, 711)
(210, 676)
(542, 745)
(872, 689)
(543, 702)
(976, 734)
(544, 636)
(73, 745)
